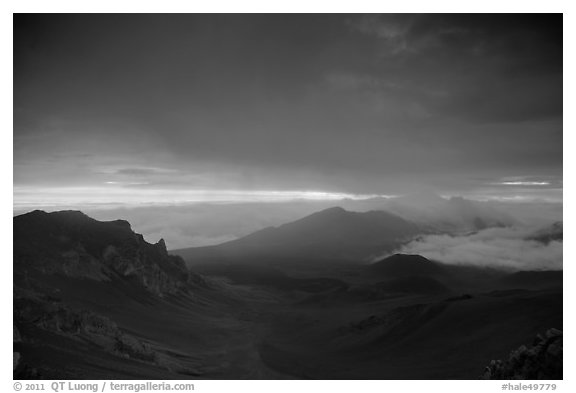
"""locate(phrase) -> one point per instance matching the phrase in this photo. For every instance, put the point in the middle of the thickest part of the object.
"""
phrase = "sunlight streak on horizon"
(27, 197)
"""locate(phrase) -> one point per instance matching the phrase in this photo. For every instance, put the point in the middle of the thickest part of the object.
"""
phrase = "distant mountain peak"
(399, 256)
(331, 211)
(405, 259)
(334, 209)
(401, 265)
(330, 233)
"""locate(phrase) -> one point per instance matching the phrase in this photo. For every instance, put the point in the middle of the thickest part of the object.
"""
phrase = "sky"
(133, 110)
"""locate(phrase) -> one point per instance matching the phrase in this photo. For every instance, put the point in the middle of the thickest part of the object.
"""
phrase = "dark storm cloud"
(357, 103)
(488, 68)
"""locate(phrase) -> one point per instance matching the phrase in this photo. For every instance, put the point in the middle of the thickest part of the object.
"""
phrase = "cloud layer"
(494, 247)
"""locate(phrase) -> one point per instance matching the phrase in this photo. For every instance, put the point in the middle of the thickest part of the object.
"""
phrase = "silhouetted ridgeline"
(72, 244)
(332, 233)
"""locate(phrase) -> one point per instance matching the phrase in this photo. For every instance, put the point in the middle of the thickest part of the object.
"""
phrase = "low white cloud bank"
(494, 247)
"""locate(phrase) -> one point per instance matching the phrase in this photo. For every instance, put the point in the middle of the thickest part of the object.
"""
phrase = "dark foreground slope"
(408, 337)
(94, 300)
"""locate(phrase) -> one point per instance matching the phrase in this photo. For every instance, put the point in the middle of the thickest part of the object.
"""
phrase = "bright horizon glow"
(525, 183)
(27, 197)
(110, 196)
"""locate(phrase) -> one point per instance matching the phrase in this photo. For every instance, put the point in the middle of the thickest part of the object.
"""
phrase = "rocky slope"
(541, 360)
(71, 244)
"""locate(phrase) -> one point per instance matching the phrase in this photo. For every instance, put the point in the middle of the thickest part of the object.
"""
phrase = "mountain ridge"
(71, 243)
(329, 233)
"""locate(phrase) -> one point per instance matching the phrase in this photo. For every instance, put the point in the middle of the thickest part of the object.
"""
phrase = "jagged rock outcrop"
(72, 244)
(542, 360)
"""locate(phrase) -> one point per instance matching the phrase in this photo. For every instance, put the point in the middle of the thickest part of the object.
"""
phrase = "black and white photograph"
(287, 196)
